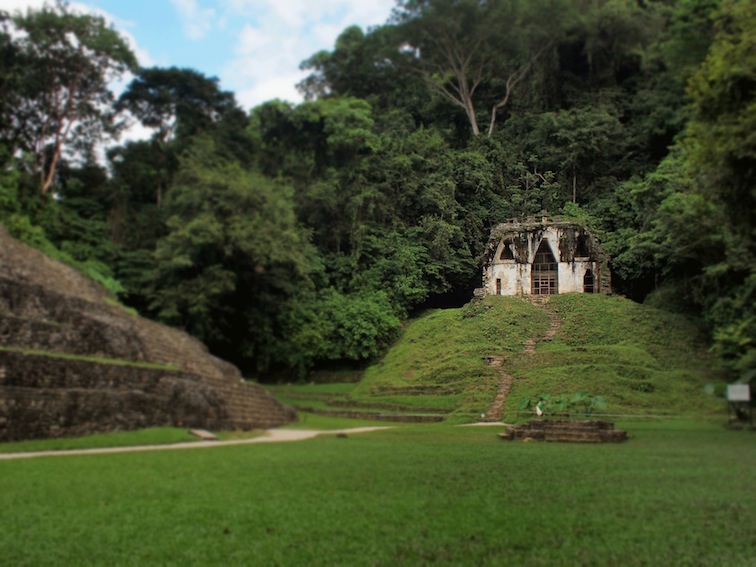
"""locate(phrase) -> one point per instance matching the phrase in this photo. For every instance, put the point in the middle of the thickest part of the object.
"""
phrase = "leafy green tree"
(657, 107)
(11, 85)
(306, 140)
(362, 65)
(696, 211)
(381, 205)
(348, 71)
(69, 61)
(330, 326)
(232, 255)
(181, 103)
(722, 150)
(178, 104)
(320, 145)
(583, 144)
(720, 139)
(141, 175)
(685, 43)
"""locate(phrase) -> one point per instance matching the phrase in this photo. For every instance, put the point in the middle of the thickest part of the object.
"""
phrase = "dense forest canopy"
(298, 235)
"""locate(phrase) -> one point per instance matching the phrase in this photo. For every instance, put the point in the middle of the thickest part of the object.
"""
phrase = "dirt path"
(271, 436)
(496, 408)
(555, 322)
(505, 384)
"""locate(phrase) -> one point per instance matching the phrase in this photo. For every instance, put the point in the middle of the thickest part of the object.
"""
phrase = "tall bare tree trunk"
(50, 175)
(470, 111)
(574, 185)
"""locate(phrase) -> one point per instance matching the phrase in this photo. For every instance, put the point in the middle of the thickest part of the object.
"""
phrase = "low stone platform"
(566, 430)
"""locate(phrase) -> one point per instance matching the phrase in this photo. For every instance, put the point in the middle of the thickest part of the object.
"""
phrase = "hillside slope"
(489, 356)
(642, 360)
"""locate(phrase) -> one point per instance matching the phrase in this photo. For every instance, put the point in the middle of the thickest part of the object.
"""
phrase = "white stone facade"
(543, 258)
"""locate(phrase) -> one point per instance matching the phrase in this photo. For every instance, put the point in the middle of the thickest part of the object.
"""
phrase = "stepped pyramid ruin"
(73, 362)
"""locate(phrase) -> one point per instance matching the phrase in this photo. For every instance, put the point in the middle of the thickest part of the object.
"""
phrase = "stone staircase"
(542, 302)
(566, 431)
(36, 317)
(249, 405)
(495, 410)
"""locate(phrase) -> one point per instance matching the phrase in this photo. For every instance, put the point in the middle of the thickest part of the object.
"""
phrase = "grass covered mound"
(440, 360)
(641, 360)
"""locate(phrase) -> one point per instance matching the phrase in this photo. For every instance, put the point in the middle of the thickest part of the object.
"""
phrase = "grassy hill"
(440, 360)
(641, 360)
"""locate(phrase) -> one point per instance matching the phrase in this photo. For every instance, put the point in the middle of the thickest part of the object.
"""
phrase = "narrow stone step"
(203, 434)
(496, 408)
(585, 431)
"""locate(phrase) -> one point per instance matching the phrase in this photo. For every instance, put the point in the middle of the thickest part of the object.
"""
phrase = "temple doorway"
(589, 282)
(544, 274)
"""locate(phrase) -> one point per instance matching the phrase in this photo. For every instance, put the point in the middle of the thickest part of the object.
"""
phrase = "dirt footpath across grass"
(271, 436)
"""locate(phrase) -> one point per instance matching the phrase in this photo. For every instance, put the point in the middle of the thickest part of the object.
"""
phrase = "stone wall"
(73, 363)
(50, 396)
(575, 250)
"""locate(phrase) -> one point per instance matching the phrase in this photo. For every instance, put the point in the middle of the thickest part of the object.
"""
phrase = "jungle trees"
(64, 101)
(231, 257)
(469, 50)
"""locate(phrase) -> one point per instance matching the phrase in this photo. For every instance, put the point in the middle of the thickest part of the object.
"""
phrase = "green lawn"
(677, 493)
(151, 436)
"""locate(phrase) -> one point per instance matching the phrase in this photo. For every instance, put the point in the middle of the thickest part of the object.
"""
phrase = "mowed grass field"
(676, 493)
(680, 492)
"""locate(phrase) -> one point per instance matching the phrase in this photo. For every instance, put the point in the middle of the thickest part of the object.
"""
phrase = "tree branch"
(514, 78)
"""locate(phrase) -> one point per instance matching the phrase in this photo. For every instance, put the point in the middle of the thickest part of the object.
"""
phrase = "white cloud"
(280, 34)
(265, 67)
(197, 21)
(297, 12)
(135, 132)
(326, 34)
(252, 40)
(13, 6)
(281, 87)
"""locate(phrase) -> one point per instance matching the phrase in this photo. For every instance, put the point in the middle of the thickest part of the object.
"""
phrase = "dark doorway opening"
(506, 252)
(582, 246)
(589, 282)
(544, 275)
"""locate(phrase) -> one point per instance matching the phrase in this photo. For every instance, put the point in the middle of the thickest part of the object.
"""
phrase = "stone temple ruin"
(72, 362)
(544, 257)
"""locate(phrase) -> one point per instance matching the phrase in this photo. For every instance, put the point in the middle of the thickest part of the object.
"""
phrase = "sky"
(253, 46)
